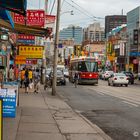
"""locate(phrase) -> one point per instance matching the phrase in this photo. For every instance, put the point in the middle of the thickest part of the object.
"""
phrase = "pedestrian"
(22, 77)
(26, 81)
(76, 77)
(37, 85)
(27, 85)
(11, 74)
(30, 75)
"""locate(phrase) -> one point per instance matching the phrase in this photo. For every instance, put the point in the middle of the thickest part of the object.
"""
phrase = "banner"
(26, 37)
(50, 19)
(20, 59)
(31, 51)
(34, 18)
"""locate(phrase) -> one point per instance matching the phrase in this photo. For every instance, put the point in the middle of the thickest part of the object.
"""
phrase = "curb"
(99, 130)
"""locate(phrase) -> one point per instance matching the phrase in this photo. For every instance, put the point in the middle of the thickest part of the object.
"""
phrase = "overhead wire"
(78, 9)
(86, 10)
(62, 3)
(52, 7)
(82, 10)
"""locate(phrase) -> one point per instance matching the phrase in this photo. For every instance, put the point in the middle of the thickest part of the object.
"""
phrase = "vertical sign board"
(9, 102)
(1, 127)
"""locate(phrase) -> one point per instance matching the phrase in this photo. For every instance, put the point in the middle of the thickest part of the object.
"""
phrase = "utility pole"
(44, 52)
(55, 48)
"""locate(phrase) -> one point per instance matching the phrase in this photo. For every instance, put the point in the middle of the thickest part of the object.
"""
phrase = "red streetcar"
(87, 68)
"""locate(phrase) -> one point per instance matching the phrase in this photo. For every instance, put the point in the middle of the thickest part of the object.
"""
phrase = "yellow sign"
(20, 59)
(0, 119)
(31, 51)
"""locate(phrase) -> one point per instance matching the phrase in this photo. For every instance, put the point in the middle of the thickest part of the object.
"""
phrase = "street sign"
(1, 128)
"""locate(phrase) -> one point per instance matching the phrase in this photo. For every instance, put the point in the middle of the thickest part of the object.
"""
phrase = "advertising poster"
(8, 96)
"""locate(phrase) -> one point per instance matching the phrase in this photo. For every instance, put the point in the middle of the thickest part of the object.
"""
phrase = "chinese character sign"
(50, 19)
(31, 51)
(33, 17)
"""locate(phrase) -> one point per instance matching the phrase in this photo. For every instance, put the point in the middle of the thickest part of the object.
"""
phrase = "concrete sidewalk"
(45, 117)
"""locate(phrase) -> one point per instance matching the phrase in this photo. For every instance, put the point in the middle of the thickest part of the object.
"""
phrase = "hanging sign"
(31, 51)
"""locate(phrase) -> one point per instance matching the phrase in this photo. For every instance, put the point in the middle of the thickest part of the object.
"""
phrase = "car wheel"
(126, 85)
(121, 85)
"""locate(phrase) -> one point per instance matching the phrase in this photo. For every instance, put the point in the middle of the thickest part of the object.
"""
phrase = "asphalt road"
(116, 110)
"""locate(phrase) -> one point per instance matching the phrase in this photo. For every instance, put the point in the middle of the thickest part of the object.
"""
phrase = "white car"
(66, 73)
(118, 79)
(107, 74)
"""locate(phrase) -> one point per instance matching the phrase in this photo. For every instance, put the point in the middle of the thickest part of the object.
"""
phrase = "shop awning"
(17, 6)
(29, 30)
(5, 15)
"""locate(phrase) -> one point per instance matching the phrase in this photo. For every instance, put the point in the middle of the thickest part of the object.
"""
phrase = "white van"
(60, 67)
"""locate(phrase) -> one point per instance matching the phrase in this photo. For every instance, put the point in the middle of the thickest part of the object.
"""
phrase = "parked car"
(106, 75)
(48, 71)
(66, 73)
(118, 79)
(130, 76)
(60, 78)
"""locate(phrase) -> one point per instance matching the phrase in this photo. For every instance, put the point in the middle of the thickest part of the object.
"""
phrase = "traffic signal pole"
(56, 42)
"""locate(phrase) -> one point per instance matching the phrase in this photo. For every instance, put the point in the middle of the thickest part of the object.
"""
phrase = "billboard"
(26, 39)
(20, 59)
(31, 51)
(34, 18)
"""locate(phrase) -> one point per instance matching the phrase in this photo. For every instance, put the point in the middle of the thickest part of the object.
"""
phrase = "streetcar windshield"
(87, 66)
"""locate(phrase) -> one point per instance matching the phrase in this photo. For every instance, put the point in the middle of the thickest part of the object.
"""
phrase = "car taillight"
(127, 78)
(115, 78)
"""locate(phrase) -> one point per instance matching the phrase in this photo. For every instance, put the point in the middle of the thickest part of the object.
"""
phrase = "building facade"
(113, 21)
(133, 23)
(93, 33)
(116, 48)
(72, 32)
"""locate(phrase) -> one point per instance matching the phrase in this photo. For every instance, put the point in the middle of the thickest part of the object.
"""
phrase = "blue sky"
(86, 11)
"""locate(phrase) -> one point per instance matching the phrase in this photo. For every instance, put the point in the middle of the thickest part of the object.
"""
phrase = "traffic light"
(135, 37)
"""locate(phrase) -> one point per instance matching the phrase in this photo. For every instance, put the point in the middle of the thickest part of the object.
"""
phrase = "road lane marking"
(129, 99)
(101, 93)
(130, 103)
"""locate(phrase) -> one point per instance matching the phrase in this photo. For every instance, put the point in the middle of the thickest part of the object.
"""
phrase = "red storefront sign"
(32, 61)
(34, 18)
(26, 37)
(50, 19)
